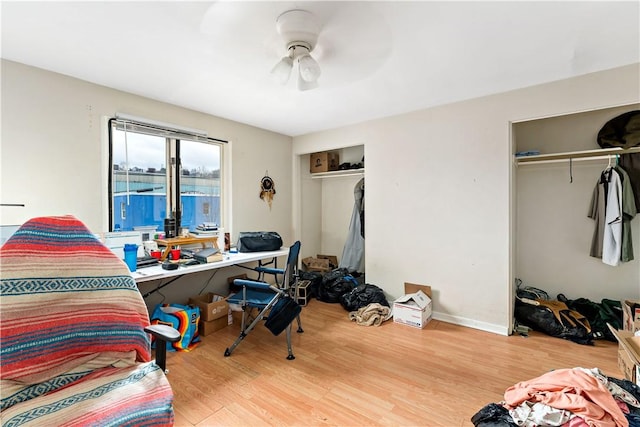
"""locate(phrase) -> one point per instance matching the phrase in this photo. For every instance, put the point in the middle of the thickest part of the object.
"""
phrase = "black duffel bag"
(282, 314)
(259, 241)
(571, 325)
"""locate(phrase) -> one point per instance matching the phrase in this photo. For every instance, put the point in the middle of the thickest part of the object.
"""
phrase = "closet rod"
(594, 154)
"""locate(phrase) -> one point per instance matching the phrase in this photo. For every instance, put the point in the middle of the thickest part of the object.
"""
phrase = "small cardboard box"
(333, 260)
(324, 161)
(413, 309)
(236, 318)
(205, 328)
(233, 288)
(212, 306)
(411, 288)
(316, 264)
(628, 354)
(631, 315)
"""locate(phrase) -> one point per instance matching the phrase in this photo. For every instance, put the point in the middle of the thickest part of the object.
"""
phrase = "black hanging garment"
(622, 131)
(631, 164)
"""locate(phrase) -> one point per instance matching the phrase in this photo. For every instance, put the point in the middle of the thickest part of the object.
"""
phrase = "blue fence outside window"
(148, 209)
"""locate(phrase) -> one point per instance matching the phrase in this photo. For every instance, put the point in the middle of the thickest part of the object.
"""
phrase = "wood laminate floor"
(350, 375)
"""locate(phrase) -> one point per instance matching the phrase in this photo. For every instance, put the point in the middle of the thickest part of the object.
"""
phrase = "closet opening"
(332, 209)
(553, 222)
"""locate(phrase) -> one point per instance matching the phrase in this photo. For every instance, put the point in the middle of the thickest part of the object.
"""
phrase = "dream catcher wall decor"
(267, 189)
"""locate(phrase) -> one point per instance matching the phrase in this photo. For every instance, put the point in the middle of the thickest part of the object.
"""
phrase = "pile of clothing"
(565, 397)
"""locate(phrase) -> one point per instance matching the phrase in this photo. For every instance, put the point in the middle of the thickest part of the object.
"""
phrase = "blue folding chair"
(274, 301)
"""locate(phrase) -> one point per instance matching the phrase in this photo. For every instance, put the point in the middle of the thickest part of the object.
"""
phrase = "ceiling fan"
(308, 33)
(299, 29)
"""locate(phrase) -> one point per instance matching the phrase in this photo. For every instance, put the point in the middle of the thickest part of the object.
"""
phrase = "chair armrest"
(269, 270)
(251, 284)
(163, 333)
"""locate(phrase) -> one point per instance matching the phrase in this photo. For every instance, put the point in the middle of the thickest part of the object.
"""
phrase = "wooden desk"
(180, 241)
(156, 272)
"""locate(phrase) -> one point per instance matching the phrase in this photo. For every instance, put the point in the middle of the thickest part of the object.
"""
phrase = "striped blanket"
(73, 349)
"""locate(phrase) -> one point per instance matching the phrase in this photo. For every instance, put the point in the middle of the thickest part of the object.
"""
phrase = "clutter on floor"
(366, 303)
(565, 397)
(371, 315)
(579, 320)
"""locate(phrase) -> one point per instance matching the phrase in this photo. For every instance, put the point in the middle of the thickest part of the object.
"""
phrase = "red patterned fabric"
(69, 311)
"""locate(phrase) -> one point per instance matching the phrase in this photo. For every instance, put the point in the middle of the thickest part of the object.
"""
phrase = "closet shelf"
(339, 173)
(601, 153)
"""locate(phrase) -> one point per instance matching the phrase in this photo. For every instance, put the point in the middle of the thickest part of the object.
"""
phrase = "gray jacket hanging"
(353, 252)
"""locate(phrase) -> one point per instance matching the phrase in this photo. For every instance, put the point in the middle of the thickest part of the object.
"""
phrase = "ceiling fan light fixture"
(305, 85)
(308, 68)
(300, 30)
(282, 70)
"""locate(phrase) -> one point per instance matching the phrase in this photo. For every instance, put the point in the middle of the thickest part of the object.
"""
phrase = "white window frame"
(167, 130)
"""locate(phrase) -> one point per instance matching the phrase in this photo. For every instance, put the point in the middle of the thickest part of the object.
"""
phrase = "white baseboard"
(471, 323)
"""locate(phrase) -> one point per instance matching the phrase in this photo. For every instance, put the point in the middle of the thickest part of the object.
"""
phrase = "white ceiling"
(378, 58)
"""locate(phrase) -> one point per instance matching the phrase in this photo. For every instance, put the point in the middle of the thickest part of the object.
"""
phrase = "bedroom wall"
(53, 150)
(53, 159)
(440, 200)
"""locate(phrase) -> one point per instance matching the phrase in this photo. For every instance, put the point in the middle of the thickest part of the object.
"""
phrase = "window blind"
(165, 130)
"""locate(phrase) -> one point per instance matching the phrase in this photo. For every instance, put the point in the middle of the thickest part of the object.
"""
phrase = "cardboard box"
(412, 288)
(333, 260)
(212, 306)
(233, 288)
(316, 264)
(324, 162)
(413, 309)
(628, 354)
(631, 315)
(205, 328)
(236, 318)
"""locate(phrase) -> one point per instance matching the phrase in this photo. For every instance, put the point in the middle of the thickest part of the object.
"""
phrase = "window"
(160, 171)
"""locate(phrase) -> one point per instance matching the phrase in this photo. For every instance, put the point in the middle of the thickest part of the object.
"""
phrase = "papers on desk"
(198, 233)
(146, 273)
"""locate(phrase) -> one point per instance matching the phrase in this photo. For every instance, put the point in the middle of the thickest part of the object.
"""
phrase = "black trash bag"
(493, 415)
(334, 274)
(541, 319)
(609, 311)
(314, 277)
(335, 284)
(363, 295)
